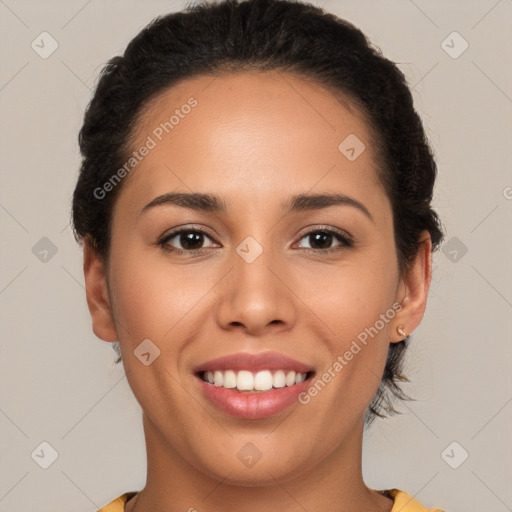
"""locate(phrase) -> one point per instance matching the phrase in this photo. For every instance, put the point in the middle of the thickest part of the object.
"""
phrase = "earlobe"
(96, 291)
(414, 289)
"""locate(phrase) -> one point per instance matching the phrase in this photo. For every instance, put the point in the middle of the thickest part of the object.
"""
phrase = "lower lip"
(253, 406)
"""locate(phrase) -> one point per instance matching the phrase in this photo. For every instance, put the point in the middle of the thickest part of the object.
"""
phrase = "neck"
(174, 484)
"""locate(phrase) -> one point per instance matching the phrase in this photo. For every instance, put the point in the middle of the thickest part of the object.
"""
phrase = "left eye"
(323, 237)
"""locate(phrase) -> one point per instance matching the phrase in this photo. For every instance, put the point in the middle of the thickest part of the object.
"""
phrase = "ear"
(96, 291)
(413, 290)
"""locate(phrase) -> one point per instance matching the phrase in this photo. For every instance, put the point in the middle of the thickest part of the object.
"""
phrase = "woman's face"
(271, 274)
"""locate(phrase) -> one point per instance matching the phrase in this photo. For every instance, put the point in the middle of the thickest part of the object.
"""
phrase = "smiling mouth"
(246, 381)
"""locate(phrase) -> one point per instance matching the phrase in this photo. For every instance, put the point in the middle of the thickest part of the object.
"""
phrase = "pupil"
(320, 239)
(188, 240)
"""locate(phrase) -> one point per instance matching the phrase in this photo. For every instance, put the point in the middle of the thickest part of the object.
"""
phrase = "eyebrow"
(298, 203)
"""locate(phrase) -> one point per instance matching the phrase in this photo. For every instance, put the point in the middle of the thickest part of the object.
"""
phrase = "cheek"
(153, 302)
(351, 298)
(150, 298)
(355, 301)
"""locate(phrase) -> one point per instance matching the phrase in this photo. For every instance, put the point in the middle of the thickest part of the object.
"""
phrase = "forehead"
(269, 132)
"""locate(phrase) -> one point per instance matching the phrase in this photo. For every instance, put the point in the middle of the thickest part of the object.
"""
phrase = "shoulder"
(403, 502)
(118, 504)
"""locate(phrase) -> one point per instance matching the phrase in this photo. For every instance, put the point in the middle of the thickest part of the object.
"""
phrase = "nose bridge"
(255, 296)
(252, 262)
(254, 250)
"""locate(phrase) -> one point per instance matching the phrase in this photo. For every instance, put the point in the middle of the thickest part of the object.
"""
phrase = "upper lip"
(253, 362)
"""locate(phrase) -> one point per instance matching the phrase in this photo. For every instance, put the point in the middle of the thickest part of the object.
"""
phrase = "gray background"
(58, 381)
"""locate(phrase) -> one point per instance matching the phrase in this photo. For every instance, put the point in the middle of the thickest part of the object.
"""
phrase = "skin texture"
(254, 139)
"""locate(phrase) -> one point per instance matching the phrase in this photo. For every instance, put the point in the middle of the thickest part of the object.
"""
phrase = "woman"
(254, 204)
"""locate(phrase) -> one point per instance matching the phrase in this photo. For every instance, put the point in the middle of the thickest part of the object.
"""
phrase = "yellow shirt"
(402, 503)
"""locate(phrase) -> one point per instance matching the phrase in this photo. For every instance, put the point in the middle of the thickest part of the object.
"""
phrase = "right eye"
(190, 239)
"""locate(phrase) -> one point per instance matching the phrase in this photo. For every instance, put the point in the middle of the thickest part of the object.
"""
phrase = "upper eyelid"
(179, 230)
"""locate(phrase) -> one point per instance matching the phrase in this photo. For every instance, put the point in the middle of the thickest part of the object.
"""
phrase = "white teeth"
(218, 378)
(290, 379)
(263, 381)
(245, 380)
(279, 380)
(229, 379)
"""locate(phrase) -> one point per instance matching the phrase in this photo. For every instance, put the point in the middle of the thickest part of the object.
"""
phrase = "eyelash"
(346, 240)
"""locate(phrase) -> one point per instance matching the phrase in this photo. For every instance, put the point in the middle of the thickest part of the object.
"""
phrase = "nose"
(257, 296)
